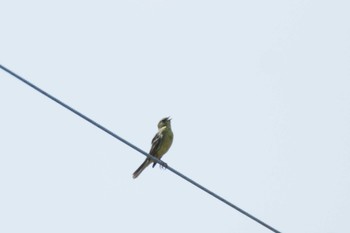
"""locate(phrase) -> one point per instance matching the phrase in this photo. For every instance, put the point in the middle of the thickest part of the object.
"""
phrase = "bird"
(160, 144)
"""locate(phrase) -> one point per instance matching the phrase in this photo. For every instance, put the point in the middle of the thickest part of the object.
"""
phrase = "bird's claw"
(163, 166)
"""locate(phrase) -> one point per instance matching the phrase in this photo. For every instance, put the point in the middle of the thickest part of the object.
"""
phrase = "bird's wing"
(156, 142)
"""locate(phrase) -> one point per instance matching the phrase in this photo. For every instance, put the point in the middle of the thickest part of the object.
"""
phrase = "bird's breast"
(166, 142)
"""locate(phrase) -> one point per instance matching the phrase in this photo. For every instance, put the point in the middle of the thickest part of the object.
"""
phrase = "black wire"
(138, 149)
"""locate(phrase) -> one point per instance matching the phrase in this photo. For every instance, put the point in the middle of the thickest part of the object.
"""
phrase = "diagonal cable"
(138, 149)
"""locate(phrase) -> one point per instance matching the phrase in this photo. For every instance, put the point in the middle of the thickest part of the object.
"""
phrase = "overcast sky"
(259, 96)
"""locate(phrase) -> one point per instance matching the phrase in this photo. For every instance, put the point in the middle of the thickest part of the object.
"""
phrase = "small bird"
(160, 144)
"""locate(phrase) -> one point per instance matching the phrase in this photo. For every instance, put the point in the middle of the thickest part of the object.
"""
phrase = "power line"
(138, 149)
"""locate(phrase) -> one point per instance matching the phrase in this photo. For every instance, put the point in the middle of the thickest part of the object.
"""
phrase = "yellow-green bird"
(160, 144)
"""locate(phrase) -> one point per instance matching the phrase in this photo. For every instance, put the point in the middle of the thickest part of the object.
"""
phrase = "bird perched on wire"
(160, 144)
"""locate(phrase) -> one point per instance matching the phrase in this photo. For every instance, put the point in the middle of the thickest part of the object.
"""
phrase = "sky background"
(259, 96)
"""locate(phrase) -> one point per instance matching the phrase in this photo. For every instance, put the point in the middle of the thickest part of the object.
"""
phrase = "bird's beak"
(168, 118)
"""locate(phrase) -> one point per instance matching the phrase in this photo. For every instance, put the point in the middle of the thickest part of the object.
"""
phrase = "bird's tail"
(141, 168)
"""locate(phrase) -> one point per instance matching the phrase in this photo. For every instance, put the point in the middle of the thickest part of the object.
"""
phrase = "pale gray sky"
(259, 96)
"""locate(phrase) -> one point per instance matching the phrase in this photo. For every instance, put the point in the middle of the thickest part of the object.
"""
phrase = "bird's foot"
(163, 165)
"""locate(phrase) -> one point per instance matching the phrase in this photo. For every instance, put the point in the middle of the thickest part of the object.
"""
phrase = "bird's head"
(164, 122)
